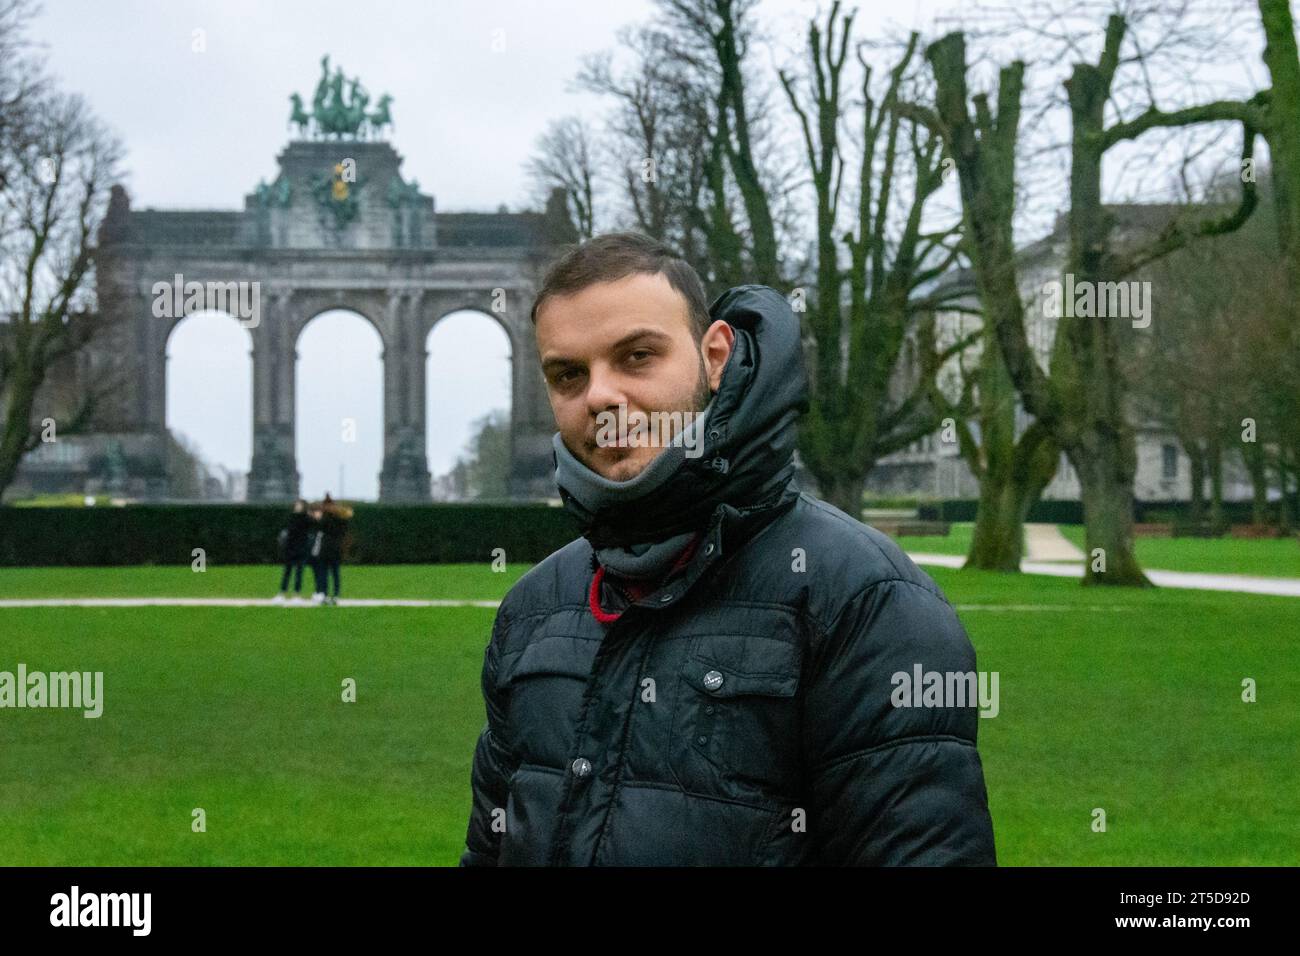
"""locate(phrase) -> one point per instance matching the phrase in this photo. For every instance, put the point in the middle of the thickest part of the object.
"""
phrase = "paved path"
(1044, 542)
(1284, 587)
(229, 602)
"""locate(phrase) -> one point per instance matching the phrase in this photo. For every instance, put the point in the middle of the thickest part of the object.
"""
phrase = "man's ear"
(715, 346)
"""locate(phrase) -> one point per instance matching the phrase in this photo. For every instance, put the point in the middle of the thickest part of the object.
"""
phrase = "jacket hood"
(746, 451)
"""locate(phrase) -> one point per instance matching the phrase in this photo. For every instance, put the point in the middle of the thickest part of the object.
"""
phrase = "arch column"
(273, 473)
(532, 423)
(149, 450)
(405, 473)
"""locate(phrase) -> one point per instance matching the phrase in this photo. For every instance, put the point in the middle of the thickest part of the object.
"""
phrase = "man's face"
(625, 342)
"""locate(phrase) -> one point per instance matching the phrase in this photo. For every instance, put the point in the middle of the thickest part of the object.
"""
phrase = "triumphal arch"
(339, 227)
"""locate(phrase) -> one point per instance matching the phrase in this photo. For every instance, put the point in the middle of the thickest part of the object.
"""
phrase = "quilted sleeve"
(492, 767)
(895, 777)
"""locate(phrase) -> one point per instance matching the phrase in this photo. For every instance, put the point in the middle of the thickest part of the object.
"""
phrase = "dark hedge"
(246, 534)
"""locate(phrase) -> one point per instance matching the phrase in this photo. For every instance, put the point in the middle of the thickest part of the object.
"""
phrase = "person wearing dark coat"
(294, 546)
(709, 675)
(328, 548)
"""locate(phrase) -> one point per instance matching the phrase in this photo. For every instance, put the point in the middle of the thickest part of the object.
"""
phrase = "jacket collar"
(728, 531)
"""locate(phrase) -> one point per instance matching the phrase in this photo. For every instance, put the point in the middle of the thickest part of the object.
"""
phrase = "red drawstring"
(593, 596)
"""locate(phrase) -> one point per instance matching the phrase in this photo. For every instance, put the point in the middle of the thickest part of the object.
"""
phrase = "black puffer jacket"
(298, 540)
(742, 713)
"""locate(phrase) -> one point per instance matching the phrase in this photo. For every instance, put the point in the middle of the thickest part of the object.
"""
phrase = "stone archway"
(338, 404)
(461, 393)
(200, 395)
(392, 258)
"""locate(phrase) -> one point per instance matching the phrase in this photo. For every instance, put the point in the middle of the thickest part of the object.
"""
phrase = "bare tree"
(715, 38)
(59, 164)
(1083, 401)
(656, 131)
(873, 359)
(21, 82)
(1012, 468)
(565, 159)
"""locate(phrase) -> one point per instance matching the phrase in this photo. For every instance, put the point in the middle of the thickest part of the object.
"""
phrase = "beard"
(698, 399)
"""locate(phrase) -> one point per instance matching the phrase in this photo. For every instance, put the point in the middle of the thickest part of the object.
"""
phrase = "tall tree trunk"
(844, 492)
(1086, 354)
(1006, 495)
(1196, 511)
(1283, 128)
(1107, 483)
(1012, 473)
(1253, 456)
(998, 543)
(17, 399)
(1214, 462)
(1286, 515)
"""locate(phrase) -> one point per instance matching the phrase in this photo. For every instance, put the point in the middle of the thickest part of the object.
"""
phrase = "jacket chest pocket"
(543, 687)
(736, 718)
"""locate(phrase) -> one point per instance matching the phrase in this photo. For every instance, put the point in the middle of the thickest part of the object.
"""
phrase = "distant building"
(933, 468)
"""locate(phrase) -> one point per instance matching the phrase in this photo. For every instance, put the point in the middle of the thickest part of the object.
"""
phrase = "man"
(706, 676)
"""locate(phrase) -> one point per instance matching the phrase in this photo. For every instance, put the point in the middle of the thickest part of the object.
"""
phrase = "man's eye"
(563, 379)
(633, 355)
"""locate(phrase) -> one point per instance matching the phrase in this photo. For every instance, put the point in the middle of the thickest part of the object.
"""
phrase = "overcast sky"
(202, 128)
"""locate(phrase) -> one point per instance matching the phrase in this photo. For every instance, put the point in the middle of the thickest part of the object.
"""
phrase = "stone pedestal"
(274, 473)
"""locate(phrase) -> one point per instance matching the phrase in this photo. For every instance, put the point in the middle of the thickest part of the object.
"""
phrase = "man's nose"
(604, 391)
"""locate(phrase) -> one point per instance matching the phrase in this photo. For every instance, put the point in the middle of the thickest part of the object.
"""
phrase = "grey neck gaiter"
(646, 560)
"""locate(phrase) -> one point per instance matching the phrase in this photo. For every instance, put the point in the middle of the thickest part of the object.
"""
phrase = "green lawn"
(956, 541)
(395, 581)
(1128, 701)
(1262, 557)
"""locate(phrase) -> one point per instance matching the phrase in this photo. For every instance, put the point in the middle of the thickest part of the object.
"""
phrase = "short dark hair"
(616, 255)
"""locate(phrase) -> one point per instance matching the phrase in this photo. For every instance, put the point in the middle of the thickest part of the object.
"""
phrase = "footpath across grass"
(1127, 701)
(1257, 557)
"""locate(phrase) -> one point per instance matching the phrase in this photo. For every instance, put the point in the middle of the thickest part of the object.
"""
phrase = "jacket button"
(710, 709)
(580, 767)
(701, 739)
(712, 680)
(708, 548)
(666, 598)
